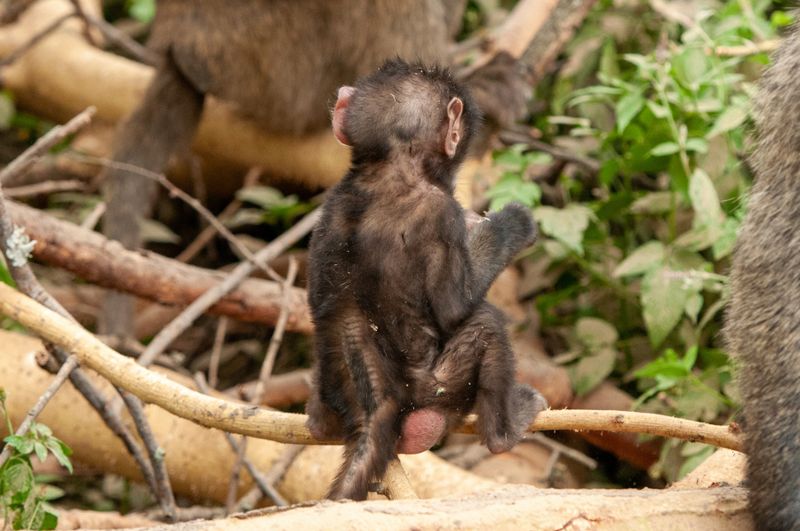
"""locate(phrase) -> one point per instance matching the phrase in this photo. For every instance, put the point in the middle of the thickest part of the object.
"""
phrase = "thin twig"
(216, 352)
(55, 385)
(273, 477)
(233, 482)
(277, 334)
(94, 216)
(164, 493)
(751, 48)
(36, 39)
(514, 136)
(208, 233)
(161, 179)
(266, 488)
(563, 449)
(266, 369)
(175, 328)
(121, 39)
(81, 13)
(38, 149)
(46, 187)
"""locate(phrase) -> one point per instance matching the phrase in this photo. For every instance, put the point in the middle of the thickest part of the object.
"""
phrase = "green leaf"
(60, 450)
(16, 477)
(664, 295)
(726, 241)
(511, 188)
(594, 332)
(592, 370)
(50, 520)
(142, 10)
(41, 451)
(664, 149)
(264, 196)
(695, 460)
(566, 225)
(23, 445)
(32, 516)
(693, 306)
(155, 232)
(627, 108)
(642, 260)
(666, 368)
(697, 145)
(7, 110)
(704, 199)
(731, 118)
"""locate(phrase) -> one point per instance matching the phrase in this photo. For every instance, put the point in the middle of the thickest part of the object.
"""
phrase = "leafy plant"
(640, 248)
(274, 207)
(24, 500)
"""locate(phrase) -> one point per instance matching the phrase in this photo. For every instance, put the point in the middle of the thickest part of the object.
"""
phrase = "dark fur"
(763, 319)
(278, 61)
(397, 284)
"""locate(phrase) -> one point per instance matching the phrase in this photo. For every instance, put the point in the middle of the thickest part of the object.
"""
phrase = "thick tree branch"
(290, 427)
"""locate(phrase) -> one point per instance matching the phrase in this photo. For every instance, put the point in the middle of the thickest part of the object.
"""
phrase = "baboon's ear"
(339, 111)
(455, 126)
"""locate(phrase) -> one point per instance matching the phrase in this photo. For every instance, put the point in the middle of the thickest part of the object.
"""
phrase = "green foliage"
(23, 499)
(274, 207)
(644, 244)
(142, 10)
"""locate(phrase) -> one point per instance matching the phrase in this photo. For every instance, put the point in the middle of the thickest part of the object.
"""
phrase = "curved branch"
(290, 427)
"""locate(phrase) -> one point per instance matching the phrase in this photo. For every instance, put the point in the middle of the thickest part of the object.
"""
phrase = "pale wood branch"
(290, 427)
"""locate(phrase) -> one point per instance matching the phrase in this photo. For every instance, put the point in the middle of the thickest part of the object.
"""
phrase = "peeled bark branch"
(290, 427)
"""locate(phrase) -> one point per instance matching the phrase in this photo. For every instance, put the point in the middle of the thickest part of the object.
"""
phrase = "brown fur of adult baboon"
(279, 62)
(763, 321)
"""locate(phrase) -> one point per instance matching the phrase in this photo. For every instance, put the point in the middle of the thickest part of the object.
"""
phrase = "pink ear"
(342, 101)
(454, 126)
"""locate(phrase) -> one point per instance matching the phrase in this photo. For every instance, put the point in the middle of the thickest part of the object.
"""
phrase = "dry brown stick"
(233, 483)
(121, 39)
(35, 39)
(151, 276)
(208, 233)
(272, 477)
(261, 481)
(237, 275)
(25, 425)
(164, 493)
(277, 335)
(751, 48)
(81, 13)
(46, 187)
(290, 427)
(216, 351)
(557, 447)
(161, 179)
(266, 372)
(94, 216)
(41, 146)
